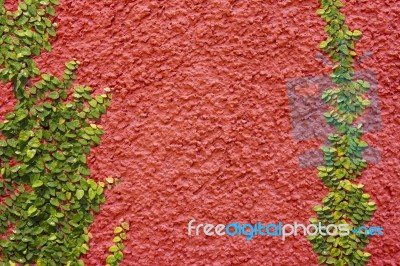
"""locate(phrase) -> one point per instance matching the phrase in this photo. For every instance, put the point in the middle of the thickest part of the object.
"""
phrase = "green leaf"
(54, 95)
(344, 49)
(331, 260)
(321, 259)
(335, 252)
(30, 154)
(340, 263)
(37, 183)
(366, 196)
(317, 208)
(118, 230)
(111, 259)
(346, 163)
(23, 6)
(346, 184)
(338, 4)
(92, 193)
(340, 173)
(21, 114)
(117, 239)
(362, 144)
(3, 143)
(113, 249)
(31, 210)
(330, 239)
(125, 225)
(357, 33)
(55, 202)
(79, 194)
(323, 45)
(119, 255)
(93, 103)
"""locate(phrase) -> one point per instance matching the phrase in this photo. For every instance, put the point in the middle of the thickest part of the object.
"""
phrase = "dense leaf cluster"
(49, 198)
(346, 202)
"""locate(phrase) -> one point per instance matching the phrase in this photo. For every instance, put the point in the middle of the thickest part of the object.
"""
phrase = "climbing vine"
(117, 249)
(346, 203)
(48, 198)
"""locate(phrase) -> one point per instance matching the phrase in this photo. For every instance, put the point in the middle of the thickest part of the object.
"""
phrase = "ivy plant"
(50, 198)
(346, 202)
(116, 250)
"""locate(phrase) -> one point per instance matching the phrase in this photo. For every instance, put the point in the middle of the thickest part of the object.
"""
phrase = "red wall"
(199, 126)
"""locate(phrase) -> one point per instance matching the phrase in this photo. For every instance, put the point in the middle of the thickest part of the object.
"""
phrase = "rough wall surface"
(199, 126)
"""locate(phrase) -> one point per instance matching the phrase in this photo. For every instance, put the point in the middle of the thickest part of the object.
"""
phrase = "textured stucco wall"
(199, 125)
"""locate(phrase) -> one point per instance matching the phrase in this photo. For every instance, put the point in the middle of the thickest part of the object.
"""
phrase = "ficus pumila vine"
(116, 251)
(346, 202)
(49, 198)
